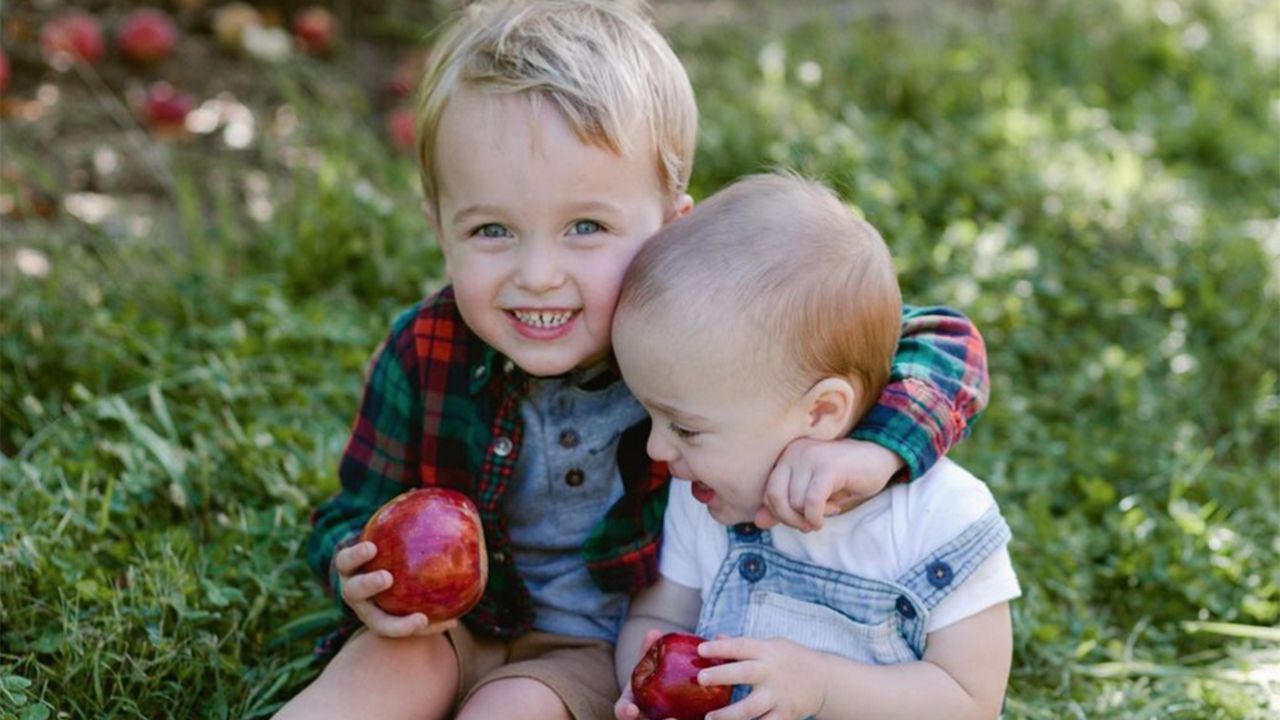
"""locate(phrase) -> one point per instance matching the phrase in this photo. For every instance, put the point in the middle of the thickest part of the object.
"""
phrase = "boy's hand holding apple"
(420, 564)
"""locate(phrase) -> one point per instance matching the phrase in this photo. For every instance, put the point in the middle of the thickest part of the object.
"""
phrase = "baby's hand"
(359, 589)
(787, 680)
(814, 479)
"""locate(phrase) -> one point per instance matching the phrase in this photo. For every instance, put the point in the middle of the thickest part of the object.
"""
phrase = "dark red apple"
(73, 36)
(665, 681)
(400, 126)
(146, 35)
(432, 543)
(316, 29)
(166, 108)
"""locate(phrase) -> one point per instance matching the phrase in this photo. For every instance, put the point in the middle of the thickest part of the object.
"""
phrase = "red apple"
(400, 126)
(665, 681)
(147, 35)
(73, 36)
(316, 29)
(432, 543)
(166, 108)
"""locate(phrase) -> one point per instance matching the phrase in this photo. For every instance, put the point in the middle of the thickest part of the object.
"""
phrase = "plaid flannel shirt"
(440, 408)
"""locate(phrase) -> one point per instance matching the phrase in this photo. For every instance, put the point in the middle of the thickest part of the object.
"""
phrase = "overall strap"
(936, 576)
(748, 534)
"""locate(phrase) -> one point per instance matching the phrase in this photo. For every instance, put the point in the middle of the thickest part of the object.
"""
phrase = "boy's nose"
(540, 270)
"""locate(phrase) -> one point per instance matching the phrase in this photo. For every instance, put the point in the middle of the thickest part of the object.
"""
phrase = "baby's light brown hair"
(779, 262)
(601, 63)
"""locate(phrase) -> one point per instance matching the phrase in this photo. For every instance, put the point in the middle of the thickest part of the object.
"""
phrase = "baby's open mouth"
(702, 492)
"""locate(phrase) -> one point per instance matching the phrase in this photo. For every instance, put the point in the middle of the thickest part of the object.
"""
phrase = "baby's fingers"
(755, 705)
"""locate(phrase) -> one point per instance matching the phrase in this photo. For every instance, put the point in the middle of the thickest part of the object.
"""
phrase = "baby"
(771, 314)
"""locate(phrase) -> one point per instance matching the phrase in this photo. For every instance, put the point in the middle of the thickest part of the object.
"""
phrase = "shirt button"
(508, 366)
(499, 556)
(574, 477)
(502, 446)
(568, 439)
(480, 372)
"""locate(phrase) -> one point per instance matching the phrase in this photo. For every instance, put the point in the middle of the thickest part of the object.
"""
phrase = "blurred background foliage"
(1097, 184)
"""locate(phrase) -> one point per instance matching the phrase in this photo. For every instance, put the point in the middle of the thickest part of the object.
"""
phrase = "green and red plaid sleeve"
(937, 386)
(380, 460)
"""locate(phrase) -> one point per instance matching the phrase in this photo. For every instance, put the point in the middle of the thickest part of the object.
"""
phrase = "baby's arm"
(962, 676)
(938, 384)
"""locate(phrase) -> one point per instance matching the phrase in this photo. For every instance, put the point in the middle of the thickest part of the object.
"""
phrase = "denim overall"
(759, 592)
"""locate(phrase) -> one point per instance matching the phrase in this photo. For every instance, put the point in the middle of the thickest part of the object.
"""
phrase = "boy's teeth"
(543, 319)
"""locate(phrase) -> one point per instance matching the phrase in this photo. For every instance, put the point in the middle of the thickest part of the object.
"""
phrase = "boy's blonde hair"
(779, 262)
(600, 62)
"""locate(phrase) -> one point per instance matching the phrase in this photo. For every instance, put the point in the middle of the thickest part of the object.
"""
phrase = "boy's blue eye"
(586, 227)
(682, 432)
(491, 230)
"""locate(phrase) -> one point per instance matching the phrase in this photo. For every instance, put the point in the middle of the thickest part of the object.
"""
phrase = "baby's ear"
(829, 406)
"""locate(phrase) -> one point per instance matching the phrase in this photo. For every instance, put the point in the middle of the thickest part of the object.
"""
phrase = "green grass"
(1096, 184)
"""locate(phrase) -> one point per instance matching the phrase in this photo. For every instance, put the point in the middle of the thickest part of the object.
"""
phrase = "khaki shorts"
(578, 670)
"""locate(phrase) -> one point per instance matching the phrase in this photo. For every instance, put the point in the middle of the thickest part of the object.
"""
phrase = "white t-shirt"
(880, 540)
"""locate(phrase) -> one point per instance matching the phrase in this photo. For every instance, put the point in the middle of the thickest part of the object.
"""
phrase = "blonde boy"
(898, 608)
(555, 137)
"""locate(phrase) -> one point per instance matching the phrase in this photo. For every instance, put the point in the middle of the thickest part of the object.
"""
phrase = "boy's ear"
(829, 407)
(681, 207)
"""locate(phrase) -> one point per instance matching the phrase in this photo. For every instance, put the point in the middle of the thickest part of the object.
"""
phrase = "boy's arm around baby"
(938, 384)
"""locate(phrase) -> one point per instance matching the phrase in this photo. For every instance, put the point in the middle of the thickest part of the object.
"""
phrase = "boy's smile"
(538, 227)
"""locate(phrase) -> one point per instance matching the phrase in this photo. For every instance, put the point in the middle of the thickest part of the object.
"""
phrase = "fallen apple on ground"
(73, 36)
(432, 543)
(166, 108)
(230, 21)
(400, 126)
(147, 35)
(316, 30)
(665, 681)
